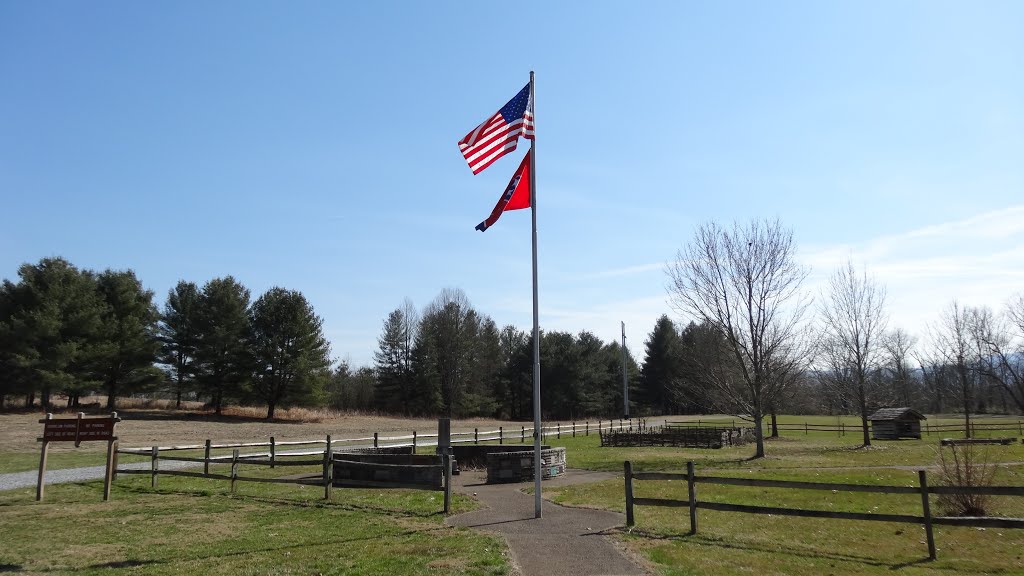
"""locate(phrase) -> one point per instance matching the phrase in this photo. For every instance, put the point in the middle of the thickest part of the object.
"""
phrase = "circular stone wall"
(518, 466)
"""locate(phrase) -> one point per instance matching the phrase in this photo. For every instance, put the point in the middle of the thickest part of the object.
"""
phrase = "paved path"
(564, 542)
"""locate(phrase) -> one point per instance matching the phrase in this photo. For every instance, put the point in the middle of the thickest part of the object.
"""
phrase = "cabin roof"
(884, 414)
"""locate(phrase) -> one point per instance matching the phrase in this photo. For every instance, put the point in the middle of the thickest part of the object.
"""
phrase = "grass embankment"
(737, 543)
(196, 526)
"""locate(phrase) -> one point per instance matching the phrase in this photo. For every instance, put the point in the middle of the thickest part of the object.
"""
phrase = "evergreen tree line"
(71, 332)
(451, 359)
(68, 332)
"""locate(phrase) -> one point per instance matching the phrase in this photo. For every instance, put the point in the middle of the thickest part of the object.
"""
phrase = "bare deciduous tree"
(854, 319)
(746, 283)
(898, 345)
(1001, 348)
(954, 344)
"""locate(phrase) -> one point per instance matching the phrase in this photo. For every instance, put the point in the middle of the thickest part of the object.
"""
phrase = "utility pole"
(625, 381)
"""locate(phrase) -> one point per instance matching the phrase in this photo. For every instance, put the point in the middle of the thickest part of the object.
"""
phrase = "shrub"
(969, 466)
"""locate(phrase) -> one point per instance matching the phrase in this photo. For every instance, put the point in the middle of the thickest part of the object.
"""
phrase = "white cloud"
(978, 260)
(626, 271)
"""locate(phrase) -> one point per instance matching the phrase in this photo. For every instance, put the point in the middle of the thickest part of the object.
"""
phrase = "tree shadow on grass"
(263, 549)
(780, 548)
(323, 504)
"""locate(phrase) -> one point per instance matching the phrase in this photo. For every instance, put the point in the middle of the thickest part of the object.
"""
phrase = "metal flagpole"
(625, 381)
(536, 313)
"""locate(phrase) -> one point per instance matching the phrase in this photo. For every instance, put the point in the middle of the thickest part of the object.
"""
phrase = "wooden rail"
(326, 479)
(843, 428)
(415, 440)
(692, 480)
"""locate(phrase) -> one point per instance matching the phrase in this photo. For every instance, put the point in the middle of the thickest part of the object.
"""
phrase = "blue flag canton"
(511, 188)
(515, 109)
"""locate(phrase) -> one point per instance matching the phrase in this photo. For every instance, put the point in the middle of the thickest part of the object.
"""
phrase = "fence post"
(273, 451)
(108, 475)
(234, 469)
(476, 435)
(446, 461)
(374, 440)
(587, 433)
(923, 481)
(574, 429)
(522, 434)
(805, 428)
(559, 431)
(413, 441)
(691, 485)
(206, 458)
(328, 467)
(155, 467)
(629, 492)
(501, 435)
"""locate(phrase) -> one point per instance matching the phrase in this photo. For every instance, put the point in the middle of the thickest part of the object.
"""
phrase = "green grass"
(197, 526)
(737, 543)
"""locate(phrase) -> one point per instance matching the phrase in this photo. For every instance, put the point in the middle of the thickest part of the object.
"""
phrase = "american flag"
(499, 134)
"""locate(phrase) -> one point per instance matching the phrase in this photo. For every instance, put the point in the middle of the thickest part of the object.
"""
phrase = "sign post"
(78, 430)
(444, 448)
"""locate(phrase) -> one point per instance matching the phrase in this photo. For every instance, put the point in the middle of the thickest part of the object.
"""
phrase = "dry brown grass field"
(149, 426)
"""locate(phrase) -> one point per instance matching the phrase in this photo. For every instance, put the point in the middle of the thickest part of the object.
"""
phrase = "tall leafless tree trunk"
(898, 344)
(853, 316)
(953, 343)
(746, 283)
(1000, 341)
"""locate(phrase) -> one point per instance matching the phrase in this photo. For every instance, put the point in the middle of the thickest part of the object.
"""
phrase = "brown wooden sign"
(78, 430)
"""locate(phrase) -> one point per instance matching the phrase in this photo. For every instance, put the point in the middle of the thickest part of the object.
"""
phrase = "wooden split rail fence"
(923, 490)
(326, 462)
(841, 428)
(326, 452)
(413, 441)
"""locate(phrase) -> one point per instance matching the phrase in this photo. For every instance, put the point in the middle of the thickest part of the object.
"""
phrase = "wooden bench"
(963, 441)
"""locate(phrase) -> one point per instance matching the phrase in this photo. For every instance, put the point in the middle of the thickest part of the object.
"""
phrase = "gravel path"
(17, 480)
(564, 542)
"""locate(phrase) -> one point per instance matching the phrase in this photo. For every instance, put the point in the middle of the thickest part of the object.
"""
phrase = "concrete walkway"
(564, 542)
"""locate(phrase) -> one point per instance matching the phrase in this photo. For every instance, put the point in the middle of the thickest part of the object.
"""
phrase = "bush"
(969, 466)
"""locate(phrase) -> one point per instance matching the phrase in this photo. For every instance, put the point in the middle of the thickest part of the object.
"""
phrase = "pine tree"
(128, 345)
(50, 328)
(660, 384)
(223, 361)
(390, 391)
(179, 332)
(289, 351)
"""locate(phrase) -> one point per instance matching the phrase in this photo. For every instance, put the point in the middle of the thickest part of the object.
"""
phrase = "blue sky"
(312, 145)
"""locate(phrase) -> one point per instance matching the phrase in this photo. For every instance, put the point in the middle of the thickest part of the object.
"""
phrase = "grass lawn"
(196, 526)
(737, 543)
